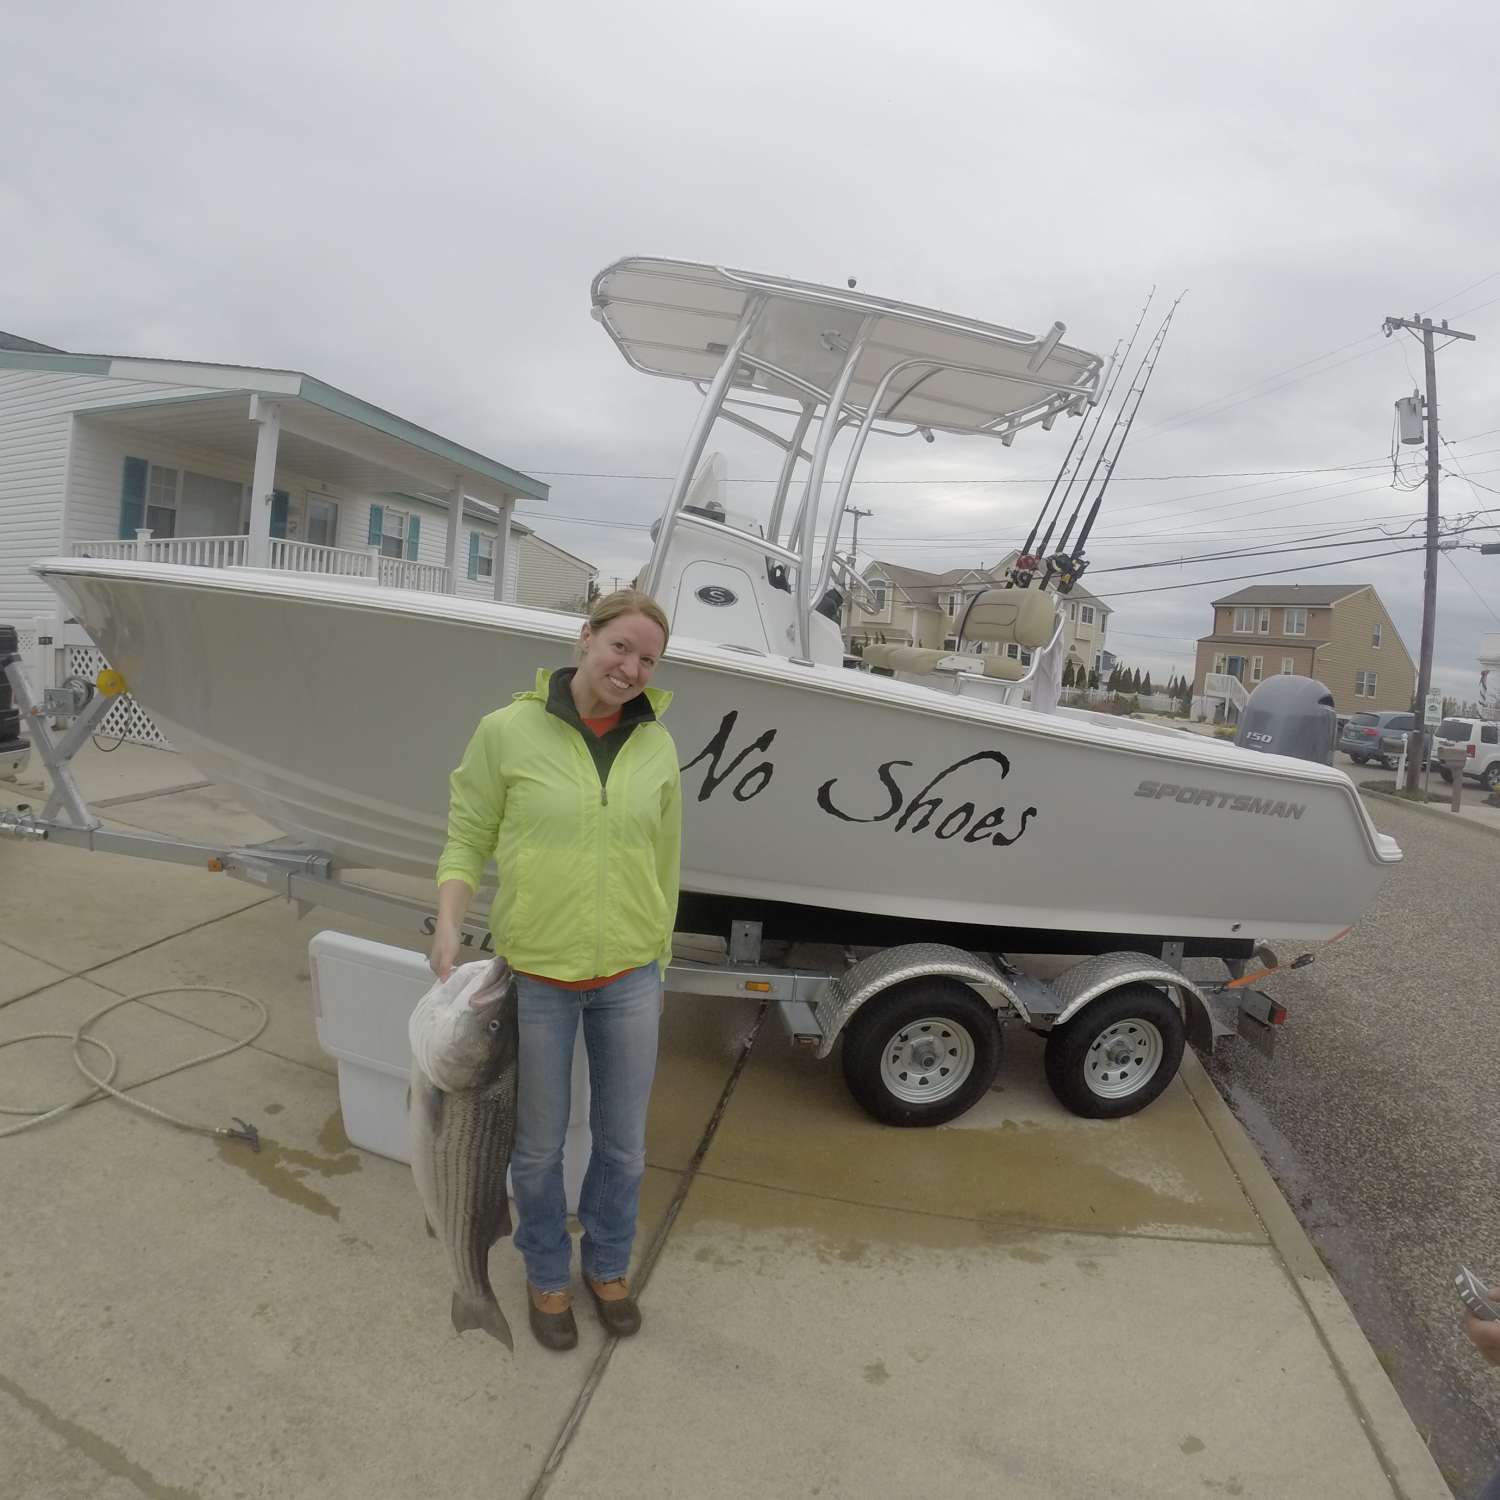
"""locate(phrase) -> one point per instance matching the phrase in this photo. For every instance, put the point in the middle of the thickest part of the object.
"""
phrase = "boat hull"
(336, 712)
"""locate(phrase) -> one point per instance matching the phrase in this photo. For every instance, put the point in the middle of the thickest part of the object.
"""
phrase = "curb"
(1410, 1467)
(1433, 809)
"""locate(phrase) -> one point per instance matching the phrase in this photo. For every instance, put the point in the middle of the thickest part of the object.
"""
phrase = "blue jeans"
(620, 1022)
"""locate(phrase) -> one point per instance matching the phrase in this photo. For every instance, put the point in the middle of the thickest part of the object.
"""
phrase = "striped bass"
(464, 1033)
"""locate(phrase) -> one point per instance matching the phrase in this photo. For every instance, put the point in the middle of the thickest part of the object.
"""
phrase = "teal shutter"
(473, 554)
(133, 498)
(280, 501)
(413, 534)
(377, 517)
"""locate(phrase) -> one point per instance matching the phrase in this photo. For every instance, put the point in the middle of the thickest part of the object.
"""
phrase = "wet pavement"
(1378, 1117)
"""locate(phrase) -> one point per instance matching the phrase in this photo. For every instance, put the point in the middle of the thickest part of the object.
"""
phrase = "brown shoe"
(552, 1320)
(616, 1307)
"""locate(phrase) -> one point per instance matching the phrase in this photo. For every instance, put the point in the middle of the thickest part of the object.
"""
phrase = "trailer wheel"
(1446, 774)
(922, 1052)
(1117, 1054)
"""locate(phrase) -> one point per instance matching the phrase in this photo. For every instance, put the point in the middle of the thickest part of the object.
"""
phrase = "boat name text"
(920, 812)
(1207, 796)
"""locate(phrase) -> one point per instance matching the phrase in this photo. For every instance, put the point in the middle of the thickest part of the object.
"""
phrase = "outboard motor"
(1290, 715)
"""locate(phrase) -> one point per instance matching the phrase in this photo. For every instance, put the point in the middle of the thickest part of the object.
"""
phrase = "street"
(1376, 1113)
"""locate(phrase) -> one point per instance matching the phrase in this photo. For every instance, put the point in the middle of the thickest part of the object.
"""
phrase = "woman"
(574, 790)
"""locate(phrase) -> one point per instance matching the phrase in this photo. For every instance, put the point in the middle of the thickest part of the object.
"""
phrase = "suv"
(1480, 742)
(1364, 734)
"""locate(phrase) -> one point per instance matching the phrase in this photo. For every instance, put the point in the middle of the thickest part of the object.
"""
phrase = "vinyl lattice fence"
(127, 720)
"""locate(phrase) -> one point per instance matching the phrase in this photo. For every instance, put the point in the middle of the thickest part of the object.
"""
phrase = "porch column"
(502, 547)
(268, 416)
(455, 532)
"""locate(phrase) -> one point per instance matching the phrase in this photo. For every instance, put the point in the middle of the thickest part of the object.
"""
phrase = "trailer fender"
(843, 994)
(1096, 976)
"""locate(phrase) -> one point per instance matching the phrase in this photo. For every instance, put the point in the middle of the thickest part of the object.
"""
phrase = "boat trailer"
(921, 1022)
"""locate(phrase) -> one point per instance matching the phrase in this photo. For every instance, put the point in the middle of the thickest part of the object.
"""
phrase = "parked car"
(1364, 736)
(1480, 742)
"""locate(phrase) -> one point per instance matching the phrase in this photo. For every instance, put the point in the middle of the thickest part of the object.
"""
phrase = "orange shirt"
(600, 727)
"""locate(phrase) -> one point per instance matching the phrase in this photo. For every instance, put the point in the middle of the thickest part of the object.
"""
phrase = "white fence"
(294, 557)
(127, 720)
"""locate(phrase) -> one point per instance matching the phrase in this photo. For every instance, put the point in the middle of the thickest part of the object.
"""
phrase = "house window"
(879, 590)
(484, 556)
(1221, 665)
(1085, 614)
(1375, 636)
(1364, 684)
(1288, 666)
(161, 501)
(953, 602)
(1013, 651)
(1072, 611)
(1294, 622)
(1026, 658)
(392, 532)
(1244, 621)
(1264, 625)
(1257, 668)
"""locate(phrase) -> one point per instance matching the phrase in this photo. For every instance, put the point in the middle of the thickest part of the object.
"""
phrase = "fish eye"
(494, 1023)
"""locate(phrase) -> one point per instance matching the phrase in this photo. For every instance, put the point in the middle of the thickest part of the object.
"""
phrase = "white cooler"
(363, 997)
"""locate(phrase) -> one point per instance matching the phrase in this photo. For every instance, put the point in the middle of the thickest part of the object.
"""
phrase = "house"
(923, 609)
(1340, 634)
(114, 456)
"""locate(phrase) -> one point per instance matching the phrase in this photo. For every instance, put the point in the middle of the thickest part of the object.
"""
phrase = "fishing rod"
(1026, 564)
(1069, 567)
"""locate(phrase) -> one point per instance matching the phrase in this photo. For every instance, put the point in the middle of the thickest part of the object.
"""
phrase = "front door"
(322, 521)
(1236, 667)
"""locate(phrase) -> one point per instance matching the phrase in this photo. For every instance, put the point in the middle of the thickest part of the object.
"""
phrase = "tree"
(1146, 684)
(1093, 679)
(1114, 681)
(1067, 681)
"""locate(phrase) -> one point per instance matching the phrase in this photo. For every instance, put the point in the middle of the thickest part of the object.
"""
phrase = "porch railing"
(397, 573)
(295, 557)
(306, 557)
(189, 551)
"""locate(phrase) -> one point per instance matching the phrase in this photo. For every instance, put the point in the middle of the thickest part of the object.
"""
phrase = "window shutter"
(280, 502)
(413, 533)
(133, 498)
(473, 554)
(377, 515)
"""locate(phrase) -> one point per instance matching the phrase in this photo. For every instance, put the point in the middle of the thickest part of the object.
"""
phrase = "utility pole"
(856, 512)
(1415, 758)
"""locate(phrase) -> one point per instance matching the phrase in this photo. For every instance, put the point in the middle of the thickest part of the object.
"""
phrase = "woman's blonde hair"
(627, 602)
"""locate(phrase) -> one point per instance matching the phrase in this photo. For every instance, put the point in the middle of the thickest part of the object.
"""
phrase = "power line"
(1202, 583)
(1480, 597)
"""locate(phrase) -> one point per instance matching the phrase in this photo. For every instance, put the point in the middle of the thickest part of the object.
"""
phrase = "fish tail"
(474, 1312)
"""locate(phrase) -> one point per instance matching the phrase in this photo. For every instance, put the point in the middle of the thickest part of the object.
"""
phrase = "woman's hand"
(445, 945)
(447, 935)
(1484, 1333)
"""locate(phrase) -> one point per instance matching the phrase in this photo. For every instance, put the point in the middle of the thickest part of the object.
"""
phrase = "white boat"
(953, 797)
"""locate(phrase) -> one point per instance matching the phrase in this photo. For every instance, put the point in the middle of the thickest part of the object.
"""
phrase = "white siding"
(549, 578)
(484, 588)
(34, 414)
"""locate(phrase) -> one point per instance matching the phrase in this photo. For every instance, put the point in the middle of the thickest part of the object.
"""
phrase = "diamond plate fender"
(843, 994)
(1104, 972)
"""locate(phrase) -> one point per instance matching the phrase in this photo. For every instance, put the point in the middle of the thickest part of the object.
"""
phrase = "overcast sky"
(410, 204)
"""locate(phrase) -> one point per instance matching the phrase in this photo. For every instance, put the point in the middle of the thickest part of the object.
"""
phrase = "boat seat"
(1026, 616)
(1003, 667)
(918, 660)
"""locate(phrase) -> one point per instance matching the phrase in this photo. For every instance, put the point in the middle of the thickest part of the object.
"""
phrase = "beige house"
(1340, 634)
(924, 609)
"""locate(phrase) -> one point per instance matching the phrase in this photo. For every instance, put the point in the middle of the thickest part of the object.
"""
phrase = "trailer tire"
(1117, 1054)
(922, 1052)
(1446, 774)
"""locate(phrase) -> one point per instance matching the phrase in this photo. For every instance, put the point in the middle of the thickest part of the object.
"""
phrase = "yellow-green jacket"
(585, 832)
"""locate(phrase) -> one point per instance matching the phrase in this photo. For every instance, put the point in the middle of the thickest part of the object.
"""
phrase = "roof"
(25, 346)
(273, 384)
(1296, 594)
(677, 319)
